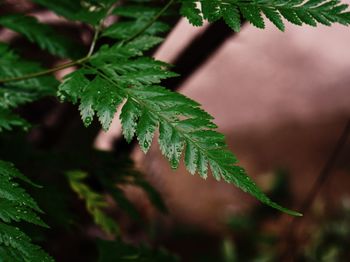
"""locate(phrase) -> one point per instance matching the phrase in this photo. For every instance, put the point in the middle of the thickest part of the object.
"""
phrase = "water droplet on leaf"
(87, 120)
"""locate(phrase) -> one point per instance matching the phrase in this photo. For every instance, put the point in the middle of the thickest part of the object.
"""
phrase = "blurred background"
(283, 102)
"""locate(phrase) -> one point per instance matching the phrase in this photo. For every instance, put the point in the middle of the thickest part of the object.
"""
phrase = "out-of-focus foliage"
(331, 240)
(111, 251)
(17, 205)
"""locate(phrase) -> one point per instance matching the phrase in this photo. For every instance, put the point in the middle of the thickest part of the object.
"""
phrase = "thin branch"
(154, 18)
(44, 72)
(326, 171)
(291, 249)
(98, 30)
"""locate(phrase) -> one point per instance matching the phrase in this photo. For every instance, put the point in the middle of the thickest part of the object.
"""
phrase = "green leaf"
(192, 13)
(306, 18)
(191, 158)
(15, 93)
(97, 96)
(17, 205)
(116, 52)
(274, 17)
(171, 144)
(211, 10)
(291, 16)
(12, 211)
(252, 14)
(41, 34)
(12, 191)
(8, 120)
(9, 171)
(232, 17)
(100, 96)
(182, 124)
(209, 145)
(129, 116)
(125, 30)
(72, 86)
(143, 43)
(297, 12)
(17, 242)
(145, 130)
(95, 203)
(87, 11)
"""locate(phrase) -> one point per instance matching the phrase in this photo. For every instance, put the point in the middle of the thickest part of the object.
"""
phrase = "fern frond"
(9, 120)
(190, 10)
(298, 12)
(7, 254)
(115, 75)
(95, 203)
(15, 93)
(41, 34)
(88, 11)
(17, 242)
(12, 211)
(17, 205)
(181, 123)
(11, 191)
(116, 52)
(98, 95)
(125, 29)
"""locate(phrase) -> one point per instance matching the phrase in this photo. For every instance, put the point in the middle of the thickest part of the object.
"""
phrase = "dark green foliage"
(298, 12)
(13, 94)
(108, 81)
(137, 19)
(88, 11)
(17, 205)
(120, 76)
(95, 202)
(119, 251)
(190, 10)
(331, 240)
(8, 120)
(113, 179)
(39, 33)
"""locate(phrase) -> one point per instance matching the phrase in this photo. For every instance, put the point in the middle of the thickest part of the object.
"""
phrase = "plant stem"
(98, 30)
(44, 72)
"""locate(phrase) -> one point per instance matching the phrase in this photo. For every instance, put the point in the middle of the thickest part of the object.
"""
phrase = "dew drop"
(87, 121)
(173, 163)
